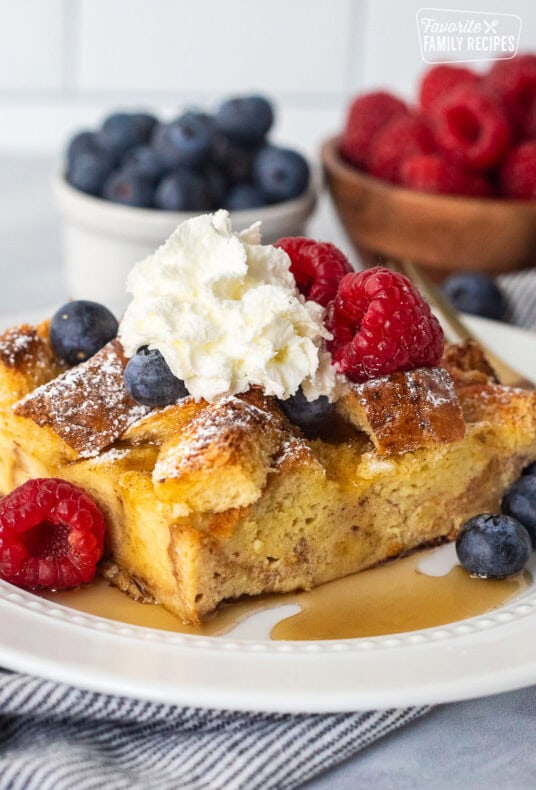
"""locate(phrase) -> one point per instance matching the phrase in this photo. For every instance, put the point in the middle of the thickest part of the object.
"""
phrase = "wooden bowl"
(443, 233)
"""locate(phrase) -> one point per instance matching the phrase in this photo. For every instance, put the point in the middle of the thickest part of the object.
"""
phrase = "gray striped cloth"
(54, 737)
(520, 291)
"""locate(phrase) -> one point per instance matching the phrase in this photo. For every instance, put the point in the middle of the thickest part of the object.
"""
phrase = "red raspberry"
(317, 266)
(439, 80)
(405, 136)
(471, 128)
(381, 325)
(518, 172)
(514, 83)
(478, 185)
(51, 535)
(366, 116)
(433, 173)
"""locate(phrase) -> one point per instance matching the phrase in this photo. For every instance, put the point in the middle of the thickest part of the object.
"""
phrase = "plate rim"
(38, 638)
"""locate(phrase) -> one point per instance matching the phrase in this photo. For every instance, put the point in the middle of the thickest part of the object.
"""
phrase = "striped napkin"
(54, 737)
(520, 291)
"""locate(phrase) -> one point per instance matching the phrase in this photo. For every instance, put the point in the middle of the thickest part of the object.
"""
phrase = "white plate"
(243, 670)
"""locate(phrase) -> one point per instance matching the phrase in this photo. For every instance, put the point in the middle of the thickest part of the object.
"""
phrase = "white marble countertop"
(480, 744)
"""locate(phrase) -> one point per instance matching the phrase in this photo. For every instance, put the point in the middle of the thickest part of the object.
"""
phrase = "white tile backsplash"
(39, 127)
(65, 63)
(291, 46)
(31, 45)
(391, 47)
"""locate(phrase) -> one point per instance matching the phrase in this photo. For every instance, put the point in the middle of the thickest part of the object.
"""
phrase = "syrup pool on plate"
(396, 597)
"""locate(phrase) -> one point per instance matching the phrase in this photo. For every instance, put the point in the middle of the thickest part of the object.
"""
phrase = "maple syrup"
(392, 598)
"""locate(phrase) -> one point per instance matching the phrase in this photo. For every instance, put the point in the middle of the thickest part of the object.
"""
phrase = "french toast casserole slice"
(208, 502)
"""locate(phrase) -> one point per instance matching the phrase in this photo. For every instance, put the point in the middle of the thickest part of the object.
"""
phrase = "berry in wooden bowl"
(449, 183)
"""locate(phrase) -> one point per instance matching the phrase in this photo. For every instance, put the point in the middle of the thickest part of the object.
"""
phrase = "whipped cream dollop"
(224, 311)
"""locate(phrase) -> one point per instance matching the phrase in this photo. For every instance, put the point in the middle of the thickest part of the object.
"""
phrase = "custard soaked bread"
(210, 501)
(262, 420)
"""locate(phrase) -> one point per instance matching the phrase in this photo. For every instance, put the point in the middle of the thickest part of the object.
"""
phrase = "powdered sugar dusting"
(20, 344)
(88, 406)
(113, 454)
(436, 387)
(440, 390)
(292, 450)
(405, 411)
(218, 424)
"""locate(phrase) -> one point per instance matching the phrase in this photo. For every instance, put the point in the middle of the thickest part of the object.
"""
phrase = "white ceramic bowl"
(103, 240)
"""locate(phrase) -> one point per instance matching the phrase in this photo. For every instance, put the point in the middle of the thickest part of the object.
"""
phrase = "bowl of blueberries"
(126, 186)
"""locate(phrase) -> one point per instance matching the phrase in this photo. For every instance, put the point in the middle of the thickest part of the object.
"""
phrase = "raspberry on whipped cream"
(224, 311)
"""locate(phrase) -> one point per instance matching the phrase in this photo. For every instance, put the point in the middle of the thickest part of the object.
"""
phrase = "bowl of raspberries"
(449, 182)
(124, 187)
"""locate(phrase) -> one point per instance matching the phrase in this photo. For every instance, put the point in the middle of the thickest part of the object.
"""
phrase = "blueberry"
(235, 161)
(244, 196)
(216, 183)
(185, 141)
(143, 161)
(493, 547)
(89, 170)
(79, 329)
(204, 118)
(149, 380)
(307, 414)
(183, 190)
(81, 143)
(146, 124)
(122, 131)
(129, 189)
(475, 293)
(245, 119)
(280, 173)
(530, 469)
(519, 501)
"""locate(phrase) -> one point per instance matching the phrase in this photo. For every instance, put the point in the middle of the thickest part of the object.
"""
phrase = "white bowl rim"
(94, 210)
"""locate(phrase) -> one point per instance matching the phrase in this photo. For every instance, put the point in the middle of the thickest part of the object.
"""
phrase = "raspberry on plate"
(518, 172)
(51, 535)
(317, 266)
(471, 128)
(367, 115)
(405, 136)
(514, 83)
(434, 173)
(382, 325)
(439, 80)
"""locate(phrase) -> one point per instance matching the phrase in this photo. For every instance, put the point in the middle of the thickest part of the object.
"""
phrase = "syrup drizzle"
(393, 598)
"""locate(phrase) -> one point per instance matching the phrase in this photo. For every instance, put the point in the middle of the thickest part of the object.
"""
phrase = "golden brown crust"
(220, 458)
(88, 407)
(158, 425)
(210, 502)
(467, 364)
(27, 361)
(405, 411)
(126, 582)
